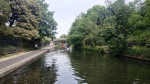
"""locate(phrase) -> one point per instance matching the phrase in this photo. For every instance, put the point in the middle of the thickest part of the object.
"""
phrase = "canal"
(80, 67)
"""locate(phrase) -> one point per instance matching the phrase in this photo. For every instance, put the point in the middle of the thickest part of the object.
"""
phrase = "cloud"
(67, 10)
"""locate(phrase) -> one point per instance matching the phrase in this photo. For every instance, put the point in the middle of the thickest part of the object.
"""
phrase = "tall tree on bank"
(32, 19)
(25, 15)
(86, 30)
(4, 12)
(47, 24)
(117, 39)
(25, 18)
(105, 26)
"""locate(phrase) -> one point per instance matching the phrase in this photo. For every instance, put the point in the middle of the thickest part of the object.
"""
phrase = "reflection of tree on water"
(81, 67)
(95, 68)
(49, 74)
(35, 73)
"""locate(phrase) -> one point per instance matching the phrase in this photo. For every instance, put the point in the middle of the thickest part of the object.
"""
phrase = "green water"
(80, 67)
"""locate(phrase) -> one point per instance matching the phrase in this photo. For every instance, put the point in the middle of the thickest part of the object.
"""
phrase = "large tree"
(4, 12)
(25, 15)
(28, 20)
(86, 30)
(47, 24)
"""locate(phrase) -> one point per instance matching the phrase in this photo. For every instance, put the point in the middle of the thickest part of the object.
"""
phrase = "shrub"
(7, 49)
(140, 37)
(138, 51)
(98, 49)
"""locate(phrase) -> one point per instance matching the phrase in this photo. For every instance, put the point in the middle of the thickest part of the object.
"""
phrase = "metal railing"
(8, 46)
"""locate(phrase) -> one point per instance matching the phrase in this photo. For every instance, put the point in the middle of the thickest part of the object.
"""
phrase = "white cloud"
(67, 10)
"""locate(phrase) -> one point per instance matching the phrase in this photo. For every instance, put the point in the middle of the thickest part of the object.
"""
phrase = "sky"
(65, 11)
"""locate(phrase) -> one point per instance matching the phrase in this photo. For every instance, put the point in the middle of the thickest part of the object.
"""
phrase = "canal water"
(81, 67)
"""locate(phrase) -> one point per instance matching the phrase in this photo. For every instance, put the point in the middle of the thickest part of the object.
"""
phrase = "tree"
(4, 12)
(63, 36)
(32, 19)
(47, 24)
(120, 28)
(86, 30)
(25, 18)
(145, 13)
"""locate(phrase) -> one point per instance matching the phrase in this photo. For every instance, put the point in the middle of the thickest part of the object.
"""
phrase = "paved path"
(9, 64)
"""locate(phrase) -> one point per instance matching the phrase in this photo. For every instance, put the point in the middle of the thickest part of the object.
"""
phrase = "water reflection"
(65, 72)
(81, 67)
(103, 69)
(35, 73)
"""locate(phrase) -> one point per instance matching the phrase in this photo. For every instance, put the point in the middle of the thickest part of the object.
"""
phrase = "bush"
(7, 50)
(140, 37)
(138, 51)
(98, 49)
(148, 43)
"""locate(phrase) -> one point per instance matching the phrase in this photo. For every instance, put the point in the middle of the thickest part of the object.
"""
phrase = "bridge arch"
(62, 41)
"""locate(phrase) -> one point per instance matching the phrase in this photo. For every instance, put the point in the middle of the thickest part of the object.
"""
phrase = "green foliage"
(135, 21)
(6, 32)
(95, 49)
(145, 13)
(4, 12)
(31, 19)
(28, 12)
(59, 45)
(148, 43)
(84, 30)
(63, 36)
(139, 37)
(76, 40)
(124, 21)
(116, 47)
(25, 34)
(116, 26)
(28, 20)
(139, 52)
(47, 24)
(5, 50)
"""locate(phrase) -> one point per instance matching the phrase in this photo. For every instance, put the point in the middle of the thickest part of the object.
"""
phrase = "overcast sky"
(67, 10)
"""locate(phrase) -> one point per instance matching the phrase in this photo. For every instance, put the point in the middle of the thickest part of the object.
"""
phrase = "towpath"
(9, 64)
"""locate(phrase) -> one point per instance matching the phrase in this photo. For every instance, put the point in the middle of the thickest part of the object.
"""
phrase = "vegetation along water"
(118, 29)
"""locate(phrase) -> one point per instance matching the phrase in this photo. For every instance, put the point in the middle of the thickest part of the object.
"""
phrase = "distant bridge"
(60, 40)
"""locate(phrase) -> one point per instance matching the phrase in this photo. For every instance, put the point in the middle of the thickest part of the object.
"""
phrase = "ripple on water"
(76, 67)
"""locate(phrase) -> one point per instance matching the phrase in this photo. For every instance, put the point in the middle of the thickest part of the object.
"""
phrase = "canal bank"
(10, 64)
